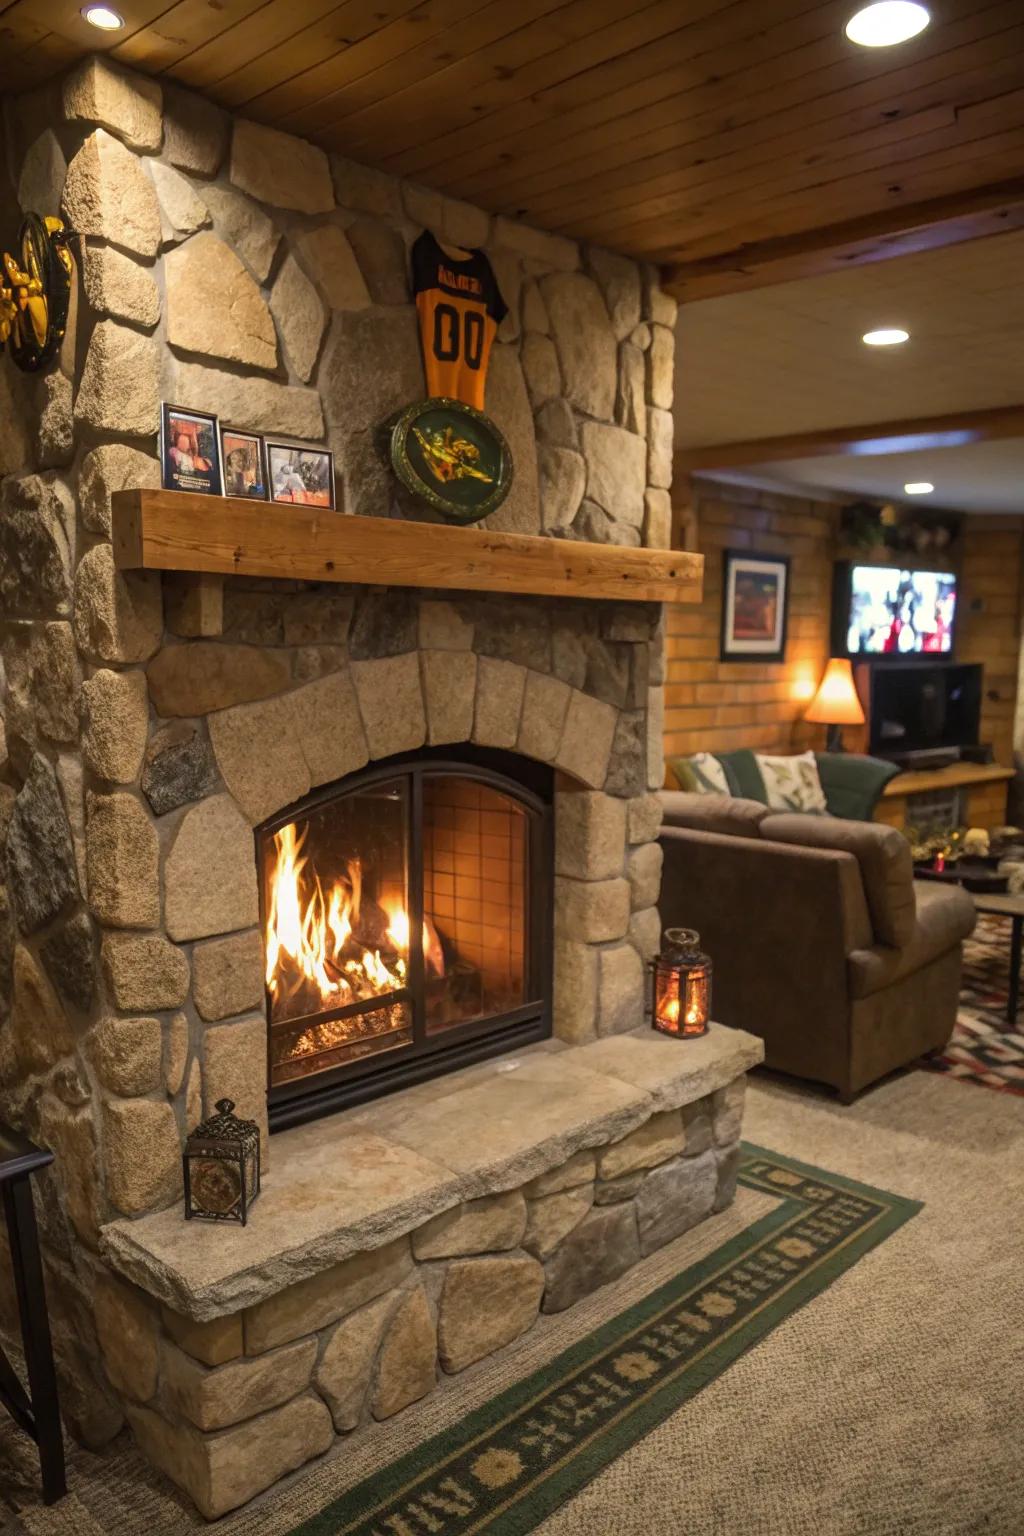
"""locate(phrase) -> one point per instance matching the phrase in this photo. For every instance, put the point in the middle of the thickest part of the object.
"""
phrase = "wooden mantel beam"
(911, 435)
(970, 215)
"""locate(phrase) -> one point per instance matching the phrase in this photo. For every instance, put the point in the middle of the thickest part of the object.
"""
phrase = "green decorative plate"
(453, 457)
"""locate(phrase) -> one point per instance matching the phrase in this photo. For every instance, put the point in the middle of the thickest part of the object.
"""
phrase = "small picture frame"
(190, 451)
(300, 474)
(245, 464)
(755, 604)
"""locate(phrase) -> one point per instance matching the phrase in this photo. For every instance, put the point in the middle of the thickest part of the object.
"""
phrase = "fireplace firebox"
(406, 916)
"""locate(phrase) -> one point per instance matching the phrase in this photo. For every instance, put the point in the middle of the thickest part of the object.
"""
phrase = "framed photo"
(190, 451)
(245, 471)
(300, 475)
(755, 600)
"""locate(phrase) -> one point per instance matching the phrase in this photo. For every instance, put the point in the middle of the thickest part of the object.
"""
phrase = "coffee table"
(1013, 908)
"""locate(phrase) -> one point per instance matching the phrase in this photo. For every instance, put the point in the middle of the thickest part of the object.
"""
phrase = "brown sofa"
(822, 942)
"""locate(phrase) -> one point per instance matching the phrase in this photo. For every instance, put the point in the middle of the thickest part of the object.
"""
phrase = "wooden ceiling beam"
(968, 215)
(913, 434)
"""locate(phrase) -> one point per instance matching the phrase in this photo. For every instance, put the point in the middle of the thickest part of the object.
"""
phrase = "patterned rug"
(505, 1467)
(985, 1049)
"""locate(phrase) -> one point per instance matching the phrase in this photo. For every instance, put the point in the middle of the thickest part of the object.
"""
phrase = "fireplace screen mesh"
(396, 917)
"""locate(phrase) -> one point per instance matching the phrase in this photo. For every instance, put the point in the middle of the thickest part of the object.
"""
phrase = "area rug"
(984, 1048)
(505, 1467)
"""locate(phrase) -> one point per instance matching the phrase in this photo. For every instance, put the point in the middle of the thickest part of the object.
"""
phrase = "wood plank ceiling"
(685, 131)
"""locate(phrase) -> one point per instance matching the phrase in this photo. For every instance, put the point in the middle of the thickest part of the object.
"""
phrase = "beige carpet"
(890, 1406)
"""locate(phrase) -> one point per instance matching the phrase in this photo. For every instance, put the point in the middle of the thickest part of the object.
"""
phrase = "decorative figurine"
(222, 1167)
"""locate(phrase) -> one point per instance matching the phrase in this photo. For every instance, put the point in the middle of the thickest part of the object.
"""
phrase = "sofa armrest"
(853, 783)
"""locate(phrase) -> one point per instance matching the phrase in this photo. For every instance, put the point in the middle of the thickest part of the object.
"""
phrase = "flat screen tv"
(884, 611)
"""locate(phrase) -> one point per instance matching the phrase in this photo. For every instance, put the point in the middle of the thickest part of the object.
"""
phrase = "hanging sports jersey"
(460, 308)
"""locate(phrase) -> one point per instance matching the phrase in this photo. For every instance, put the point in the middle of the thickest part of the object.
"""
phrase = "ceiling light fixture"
(103, 17)
(918, 488)
(886, 23)
(888, 336)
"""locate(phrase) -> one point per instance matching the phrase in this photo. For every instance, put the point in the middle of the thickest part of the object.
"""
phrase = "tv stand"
(979, 788)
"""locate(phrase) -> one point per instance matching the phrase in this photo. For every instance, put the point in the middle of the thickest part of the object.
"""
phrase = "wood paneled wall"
(989, 628)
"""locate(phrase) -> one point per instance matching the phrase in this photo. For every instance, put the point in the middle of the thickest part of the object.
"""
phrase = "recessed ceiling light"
(918, 488)
(888, 22)
(888, 336)
(103, 17)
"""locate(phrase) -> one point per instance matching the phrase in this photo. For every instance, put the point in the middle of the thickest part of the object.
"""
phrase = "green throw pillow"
(700, 774)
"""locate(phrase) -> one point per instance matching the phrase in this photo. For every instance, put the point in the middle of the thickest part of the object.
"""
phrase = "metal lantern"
(682, 985)
(222, 1167)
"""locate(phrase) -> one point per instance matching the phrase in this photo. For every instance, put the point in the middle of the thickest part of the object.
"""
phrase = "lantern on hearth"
(222, 1167)
(682, 985)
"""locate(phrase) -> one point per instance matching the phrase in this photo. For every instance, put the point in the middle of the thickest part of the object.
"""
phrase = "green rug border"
(533, 1507)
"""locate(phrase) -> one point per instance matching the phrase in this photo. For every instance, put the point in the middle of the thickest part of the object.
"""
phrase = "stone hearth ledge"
(357, 1180)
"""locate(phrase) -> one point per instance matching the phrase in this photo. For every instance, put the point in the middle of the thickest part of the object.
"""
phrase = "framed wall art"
(190, 451)
(300, 475)
(245, 472)
(755, 601)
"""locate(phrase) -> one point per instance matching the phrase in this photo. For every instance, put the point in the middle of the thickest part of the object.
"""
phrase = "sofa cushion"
(886, 868)
(792, 783)
(945, 916)
(700, 774)
(853, 783)
(743, 774)
(725, 814)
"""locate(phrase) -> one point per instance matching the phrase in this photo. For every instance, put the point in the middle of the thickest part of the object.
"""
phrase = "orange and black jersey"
(460, 308)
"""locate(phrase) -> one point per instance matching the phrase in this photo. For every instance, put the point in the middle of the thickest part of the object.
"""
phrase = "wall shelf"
(176, 531)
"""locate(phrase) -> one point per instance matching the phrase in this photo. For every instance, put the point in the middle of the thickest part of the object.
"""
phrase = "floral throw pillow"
(704, 774)
(792, 783)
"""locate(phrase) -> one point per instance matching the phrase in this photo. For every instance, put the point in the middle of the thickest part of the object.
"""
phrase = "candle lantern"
(682, 985)
(222, 1167)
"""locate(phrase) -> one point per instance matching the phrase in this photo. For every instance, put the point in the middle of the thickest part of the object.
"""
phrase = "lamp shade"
(836, 701)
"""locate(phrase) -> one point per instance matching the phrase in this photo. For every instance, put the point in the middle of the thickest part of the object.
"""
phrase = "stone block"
(391, 703)
(422, 205)
(227, 975)
(328, 258)
(214, 307)
(727, 1160)
(144, 971)
(553, 1217)
(661, 365)
(347, 1359)
(537, 245)
(67, 953)
(630, 401)
(380, 251)
(120, 387)
(35, 553)
(300, 316)
(627, 769)
(407, 1363)
(545, 706)
(587, 739)
(71, 1136)
(643, 868)
(645, 933)
(563, 478)
(592, 910)
(210, 873)
(657, 519)
(616, 471)
(116, 721)
(109, 196)
(619, 280)
(216, 1398)
(235, 1067)
(122, 862)
(598, 1250)
(41, 874)
(329, 729)
(246, 229)
(193, 604)
(615, 1191)
(556, 425)
(655, 753)
(195, 131)
(127, 104)
(358, 399)
(585, 342)
(499, 702)
(620, 990)
(658, 1139)
(127, 1329)
(280, 169)
(179, 768)
(697, 1124)
(674, 1198)
(590, 835)
(43, 171)
(39, 1028)
(260, 756)
(176, 1057)
(464, 225)
(117, 614)
(262, 405)
(128, 1055)
(220, 1472)
(55, 435)
(449, 692)
(576, 1170)
(369, 191)
(182, 210)
(535, 311)
(488, 1225)
(575, 1000)
(508, 405)
(443, 627)
(727, 1109)
(213, 1343)
(659, 307)
(109, 468)
(142, 1152)
(644, 816)
(485, 1304)
(324, 1298)
(660, 445)
(540, 368)
(204, 676)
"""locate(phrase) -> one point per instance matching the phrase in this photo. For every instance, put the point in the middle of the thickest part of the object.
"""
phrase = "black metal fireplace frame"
(531, 784)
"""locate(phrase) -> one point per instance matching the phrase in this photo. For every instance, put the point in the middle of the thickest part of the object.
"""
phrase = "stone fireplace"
(389, 851)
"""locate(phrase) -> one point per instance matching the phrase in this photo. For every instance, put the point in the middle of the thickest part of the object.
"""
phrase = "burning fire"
(316, 940)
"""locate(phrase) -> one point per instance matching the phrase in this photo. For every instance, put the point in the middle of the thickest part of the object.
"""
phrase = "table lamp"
(836, 703)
